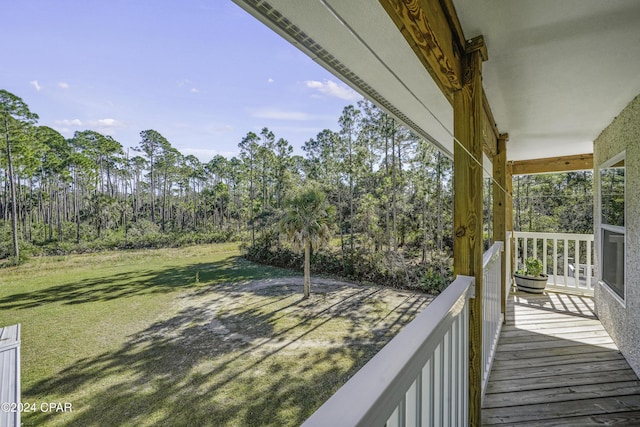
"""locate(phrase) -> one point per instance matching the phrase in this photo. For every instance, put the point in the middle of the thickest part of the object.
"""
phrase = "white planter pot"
(534, 285)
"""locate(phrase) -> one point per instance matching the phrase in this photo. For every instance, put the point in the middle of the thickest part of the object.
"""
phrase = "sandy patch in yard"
(271, 313)
(251, 353)
(319, 285)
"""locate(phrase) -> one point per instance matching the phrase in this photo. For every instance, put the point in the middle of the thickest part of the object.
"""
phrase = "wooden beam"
(500, 197)
(425, 24)
(490, 131)
(553, 164)
(454, 23)
(467, 212)
(433, 31)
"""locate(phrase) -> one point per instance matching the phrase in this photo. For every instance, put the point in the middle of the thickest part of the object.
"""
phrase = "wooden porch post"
(467, 206)
(500, 211)
(433, 31)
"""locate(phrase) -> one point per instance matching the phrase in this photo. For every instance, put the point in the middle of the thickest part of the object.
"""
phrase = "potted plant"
(531, 279)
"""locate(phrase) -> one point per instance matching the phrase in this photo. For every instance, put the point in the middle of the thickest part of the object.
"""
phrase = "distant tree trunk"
(529, 206)
(32, 212)
(351, 215)
(518, 207)
(76, 205)
(424, 228)
(152, 195)
(21, 206)
(340, 220)
(307, 269)
(12, 189)
(164, 201)
(387, 229)
(136, 205)
(394, 189)
(49, 214)
(439, 236)
(5, 203)
(59, 214)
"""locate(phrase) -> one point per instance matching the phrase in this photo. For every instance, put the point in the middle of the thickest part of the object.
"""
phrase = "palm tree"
(307, 224)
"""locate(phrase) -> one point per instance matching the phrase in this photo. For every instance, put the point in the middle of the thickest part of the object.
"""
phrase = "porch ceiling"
(558, 72)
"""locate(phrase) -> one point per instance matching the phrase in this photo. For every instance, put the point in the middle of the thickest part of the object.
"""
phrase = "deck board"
(556, 366)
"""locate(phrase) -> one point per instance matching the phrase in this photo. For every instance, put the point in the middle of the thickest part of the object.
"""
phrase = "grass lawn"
(186, 337)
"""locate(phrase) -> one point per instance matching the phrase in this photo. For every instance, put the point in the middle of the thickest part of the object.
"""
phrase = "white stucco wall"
(622, 320)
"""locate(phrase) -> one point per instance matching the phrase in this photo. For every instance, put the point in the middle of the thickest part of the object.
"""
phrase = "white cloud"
(67, 122)
(297, 129)
(270, 80)
(183, 82)
(331, 88)
(105, 123)
(36, 85)
(221, 128)
(187, 84)
(67, 126)
(275, 114)
(63, 85)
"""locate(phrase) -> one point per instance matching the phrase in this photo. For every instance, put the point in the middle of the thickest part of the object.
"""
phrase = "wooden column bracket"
(477, 44)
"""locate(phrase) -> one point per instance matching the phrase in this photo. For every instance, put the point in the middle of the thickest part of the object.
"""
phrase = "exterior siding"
(622, 321)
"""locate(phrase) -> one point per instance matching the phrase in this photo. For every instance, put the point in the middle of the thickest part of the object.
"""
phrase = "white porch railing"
(508, 274)
(568, 259)
(420, 378)
(491, 307)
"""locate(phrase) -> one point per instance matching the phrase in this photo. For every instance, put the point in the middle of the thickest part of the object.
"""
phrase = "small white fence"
(567, 258)
(10, 376)
(421, 378)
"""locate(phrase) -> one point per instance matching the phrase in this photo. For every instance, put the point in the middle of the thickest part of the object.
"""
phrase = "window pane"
(613, 260)
(612, 194)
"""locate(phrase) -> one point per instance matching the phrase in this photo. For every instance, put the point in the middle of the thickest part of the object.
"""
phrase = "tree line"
(390, 190)
(561, 202)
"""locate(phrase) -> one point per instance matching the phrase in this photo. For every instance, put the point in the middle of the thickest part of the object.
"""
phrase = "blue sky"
(201, 72)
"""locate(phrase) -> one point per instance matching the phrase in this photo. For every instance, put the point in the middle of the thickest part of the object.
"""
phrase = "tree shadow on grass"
(104, 288)
(223, 362)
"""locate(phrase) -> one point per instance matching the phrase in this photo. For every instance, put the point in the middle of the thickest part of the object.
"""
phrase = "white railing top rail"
(491, 254)
(373, 393)
(559, 236)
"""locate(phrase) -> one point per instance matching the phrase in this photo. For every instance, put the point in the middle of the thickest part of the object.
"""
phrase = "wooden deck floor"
(557, 366)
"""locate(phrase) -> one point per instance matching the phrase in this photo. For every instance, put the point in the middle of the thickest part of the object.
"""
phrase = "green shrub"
(533, 267)
(141, 235)
(381, 268)
(433, 282)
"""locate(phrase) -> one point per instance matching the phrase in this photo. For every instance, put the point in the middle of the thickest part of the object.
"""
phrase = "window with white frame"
(612, 224)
